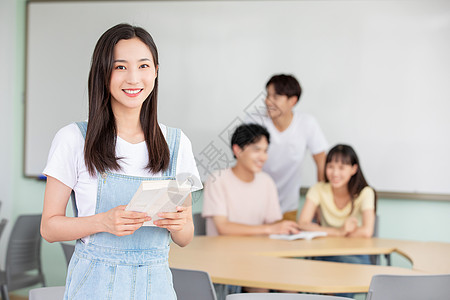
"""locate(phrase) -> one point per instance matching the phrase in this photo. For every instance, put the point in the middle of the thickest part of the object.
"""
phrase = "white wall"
(375, 75)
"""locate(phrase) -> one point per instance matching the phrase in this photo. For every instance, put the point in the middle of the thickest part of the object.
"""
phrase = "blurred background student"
(345, 203)
(292, 135)
(243, 200)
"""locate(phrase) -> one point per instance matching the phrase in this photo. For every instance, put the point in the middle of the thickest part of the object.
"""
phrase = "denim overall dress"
(128, 267)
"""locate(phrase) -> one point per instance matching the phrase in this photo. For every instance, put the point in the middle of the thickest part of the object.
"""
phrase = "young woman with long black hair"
(102, 163)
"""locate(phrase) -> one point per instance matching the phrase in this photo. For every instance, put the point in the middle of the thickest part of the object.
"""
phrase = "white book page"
(155, 196)
(306, 235)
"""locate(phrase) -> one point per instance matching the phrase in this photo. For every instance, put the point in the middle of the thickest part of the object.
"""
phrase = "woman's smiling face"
(133, 75)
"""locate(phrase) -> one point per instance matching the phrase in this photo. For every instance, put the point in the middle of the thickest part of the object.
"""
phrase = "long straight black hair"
(346, 155)
(100, 145)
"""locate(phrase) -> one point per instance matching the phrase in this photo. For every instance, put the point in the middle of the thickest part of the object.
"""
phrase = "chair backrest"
(3, 286)
(199, 224)
(68, 251)
(410, 287)
(282, 296)
(376, 226)
(47, 293)
(375, 259)
(193, 285)
(2, 226)
(24, 253)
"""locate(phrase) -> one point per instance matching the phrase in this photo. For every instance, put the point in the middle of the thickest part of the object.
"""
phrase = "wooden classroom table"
(268, 263)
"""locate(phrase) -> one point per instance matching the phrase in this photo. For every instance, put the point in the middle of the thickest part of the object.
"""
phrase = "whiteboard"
(375, 74)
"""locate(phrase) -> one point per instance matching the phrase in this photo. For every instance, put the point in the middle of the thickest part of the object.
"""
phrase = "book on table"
(306, 235)
(155, 196)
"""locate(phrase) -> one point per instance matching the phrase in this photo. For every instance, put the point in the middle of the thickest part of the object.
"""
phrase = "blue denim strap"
(173, 141)
(83, 128)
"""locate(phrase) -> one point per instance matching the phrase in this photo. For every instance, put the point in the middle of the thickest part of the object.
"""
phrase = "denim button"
(104, 175)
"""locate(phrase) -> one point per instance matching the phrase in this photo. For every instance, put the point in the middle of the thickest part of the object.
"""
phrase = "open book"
(155, 196)
(306, 235)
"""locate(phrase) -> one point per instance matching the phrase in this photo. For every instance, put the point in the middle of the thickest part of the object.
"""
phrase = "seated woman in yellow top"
(345, 203)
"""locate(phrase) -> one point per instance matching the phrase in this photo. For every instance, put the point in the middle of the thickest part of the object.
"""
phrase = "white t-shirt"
(286, 153)
(249, 203)
(66, 163)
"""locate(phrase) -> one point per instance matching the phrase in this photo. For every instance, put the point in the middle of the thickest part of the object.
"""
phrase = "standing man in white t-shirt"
(291, 135)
